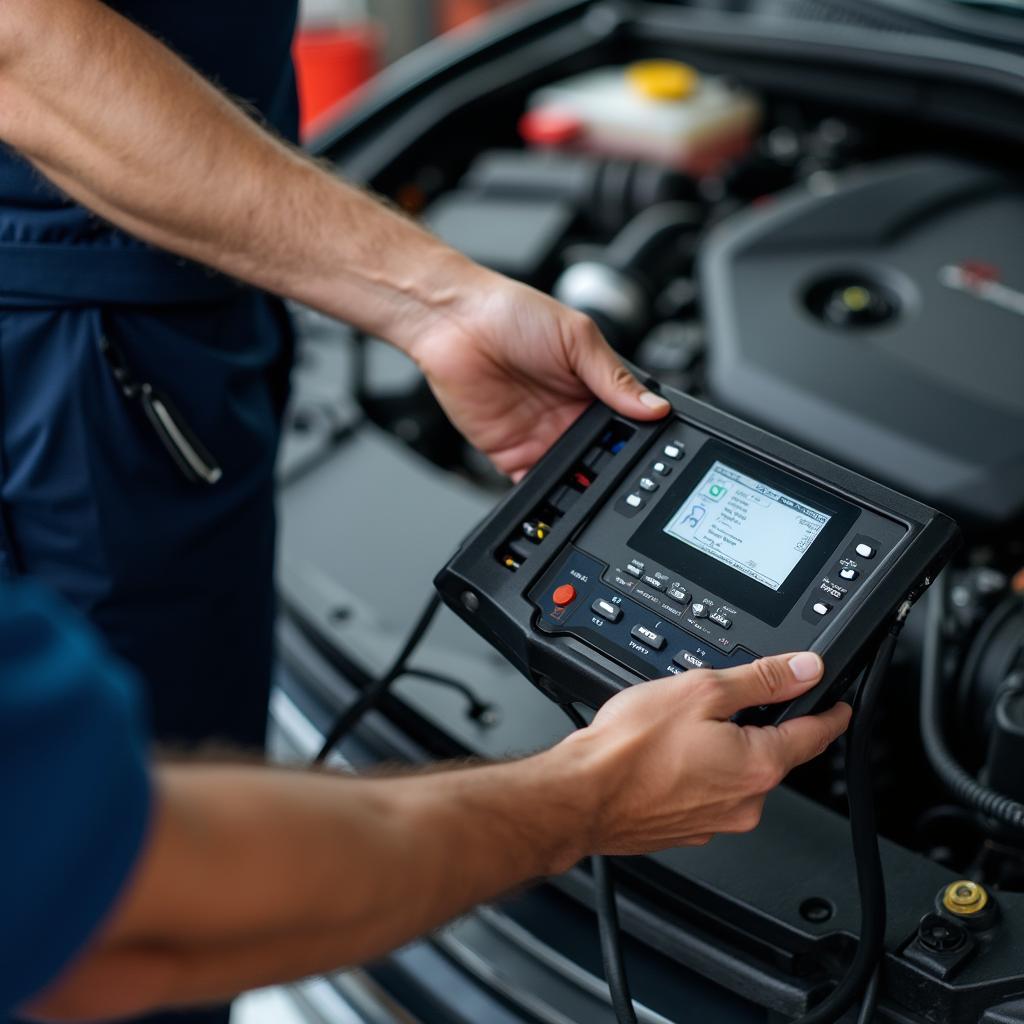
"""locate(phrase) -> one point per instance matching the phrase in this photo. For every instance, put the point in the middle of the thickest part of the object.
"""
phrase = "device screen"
(745, 524)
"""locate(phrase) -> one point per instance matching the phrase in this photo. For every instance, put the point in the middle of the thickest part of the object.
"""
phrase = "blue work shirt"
(74, 791)
(54, 249)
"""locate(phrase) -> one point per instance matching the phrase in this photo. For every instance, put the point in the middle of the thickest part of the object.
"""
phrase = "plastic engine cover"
(882, 325)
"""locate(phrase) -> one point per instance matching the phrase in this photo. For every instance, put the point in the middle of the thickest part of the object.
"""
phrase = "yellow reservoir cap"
(663, 79)
(964, 898)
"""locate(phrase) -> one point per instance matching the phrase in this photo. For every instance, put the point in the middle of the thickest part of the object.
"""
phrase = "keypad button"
(719, 619)
(653, 581)
(673, 451)
(647, 484)
(679, 594)
(687, 659)
(634, 569)
(700, 610)
(635, 501)
(648, 637)
(848, 573)
(820, 608)
(865, 550)
(662, 468)
(607, 610)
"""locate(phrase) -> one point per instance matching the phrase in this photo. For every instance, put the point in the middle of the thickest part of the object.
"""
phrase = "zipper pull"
(189, 454)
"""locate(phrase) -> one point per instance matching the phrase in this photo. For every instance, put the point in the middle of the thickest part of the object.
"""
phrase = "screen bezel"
(719, 579)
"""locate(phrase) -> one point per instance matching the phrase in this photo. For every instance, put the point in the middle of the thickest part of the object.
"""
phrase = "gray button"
(635, 570)
(647, 636)
(647, 484)
(700, 610)
(848, 574)
(607, 610)
(721, 620)
(865, 551)
(653, 581)
(684, 659)
(661, 469)
(673, 451)
(679, 594)
(820, 608)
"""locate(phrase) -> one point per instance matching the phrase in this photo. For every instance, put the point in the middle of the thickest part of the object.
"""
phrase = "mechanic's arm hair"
(254, 876)
(125, 127)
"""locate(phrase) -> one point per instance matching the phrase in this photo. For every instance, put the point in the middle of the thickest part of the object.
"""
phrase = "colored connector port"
(536, 530)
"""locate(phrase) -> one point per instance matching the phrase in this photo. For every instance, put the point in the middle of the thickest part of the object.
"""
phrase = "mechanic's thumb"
(611, 381)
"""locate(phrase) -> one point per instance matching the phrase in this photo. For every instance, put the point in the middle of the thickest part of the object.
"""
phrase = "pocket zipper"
(189, 454)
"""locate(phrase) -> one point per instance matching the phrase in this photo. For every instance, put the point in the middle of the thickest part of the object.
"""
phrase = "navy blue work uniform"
(76, 794)
(176, 574)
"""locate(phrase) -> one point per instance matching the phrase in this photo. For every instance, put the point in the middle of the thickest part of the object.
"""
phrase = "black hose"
(377, 690)
(995, 621)
(642, 238)
(967, 789)
(608, 922)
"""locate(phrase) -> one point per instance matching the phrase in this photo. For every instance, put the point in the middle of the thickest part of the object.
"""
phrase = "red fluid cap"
(549, 127)
(564, 595)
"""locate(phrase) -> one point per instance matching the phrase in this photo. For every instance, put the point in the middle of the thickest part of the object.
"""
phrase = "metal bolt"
(964, 898)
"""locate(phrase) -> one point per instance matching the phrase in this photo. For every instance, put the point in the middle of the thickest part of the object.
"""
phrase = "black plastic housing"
(478, 585)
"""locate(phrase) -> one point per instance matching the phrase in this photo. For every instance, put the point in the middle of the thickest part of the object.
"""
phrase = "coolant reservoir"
(654, 110)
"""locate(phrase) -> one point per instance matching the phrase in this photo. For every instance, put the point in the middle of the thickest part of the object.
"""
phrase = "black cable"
(479, 710)
(608, 922)
(864, 834)
(869, 1005)
(956, 779)
(378, 688)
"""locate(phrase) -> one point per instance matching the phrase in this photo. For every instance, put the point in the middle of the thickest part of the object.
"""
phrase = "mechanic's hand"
(513, 369)
(666, 767)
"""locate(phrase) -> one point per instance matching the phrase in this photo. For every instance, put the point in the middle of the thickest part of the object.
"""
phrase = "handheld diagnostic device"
(635, 550)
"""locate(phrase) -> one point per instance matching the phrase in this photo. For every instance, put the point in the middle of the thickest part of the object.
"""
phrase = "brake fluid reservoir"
(654, 110)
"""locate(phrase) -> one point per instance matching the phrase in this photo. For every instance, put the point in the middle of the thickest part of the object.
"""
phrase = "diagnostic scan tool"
(637, 550)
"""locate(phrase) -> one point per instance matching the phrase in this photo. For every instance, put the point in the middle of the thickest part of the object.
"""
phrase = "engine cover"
(881, 324)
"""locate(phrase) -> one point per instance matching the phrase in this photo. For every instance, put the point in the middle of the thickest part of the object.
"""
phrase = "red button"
(564, 595)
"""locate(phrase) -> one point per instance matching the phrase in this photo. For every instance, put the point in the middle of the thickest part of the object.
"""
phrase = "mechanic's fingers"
(803, 739)
(609, 379)
(766, 681)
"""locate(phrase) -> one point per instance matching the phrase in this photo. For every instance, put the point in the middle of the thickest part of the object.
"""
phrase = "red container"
(330, 64)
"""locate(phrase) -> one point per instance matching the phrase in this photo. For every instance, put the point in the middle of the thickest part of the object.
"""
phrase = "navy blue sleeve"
(74, 790)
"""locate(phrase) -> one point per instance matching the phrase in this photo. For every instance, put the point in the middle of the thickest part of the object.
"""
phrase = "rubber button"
(564, 595)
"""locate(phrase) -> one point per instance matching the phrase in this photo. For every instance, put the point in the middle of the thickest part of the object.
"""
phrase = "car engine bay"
(840, 264)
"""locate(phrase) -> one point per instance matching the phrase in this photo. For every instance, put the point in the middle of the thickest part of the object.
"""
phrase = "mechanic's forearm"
(255, 876)
(128, 129)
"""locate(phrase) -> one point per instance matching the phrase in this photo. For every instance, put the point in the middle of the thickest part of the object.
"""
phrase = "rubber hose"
(967, 789)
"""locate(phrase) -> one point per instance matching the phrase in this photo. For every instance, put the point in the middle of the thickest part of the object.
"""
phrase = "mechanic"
(124, 889)
(144, 218)
(129, 175)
